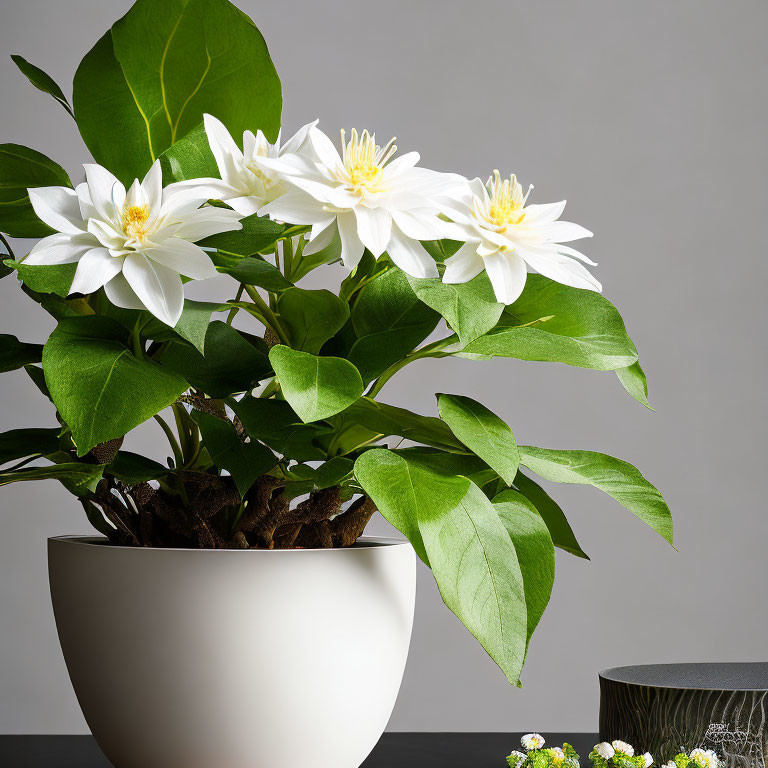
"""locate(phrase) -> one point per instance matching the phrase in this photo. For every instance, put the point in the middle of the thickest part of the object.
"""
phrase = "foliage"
(277, 435)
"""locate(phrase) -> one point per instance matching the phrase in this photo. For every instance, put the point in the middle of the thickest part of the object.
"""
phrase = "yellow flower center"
(135, 220)
(506, 203)
(364, 160)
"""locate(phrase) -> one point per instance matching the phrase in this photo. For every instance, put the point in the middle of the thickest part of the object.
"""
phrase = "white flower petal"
(94, 269)
(562, 269)
(322, 240)
(107, 234)
(374, 228)
(198, 190)
(107, 193)
(58, 207)
(206, 222)
(420, 225)
(183, 257)
(400, 164)
(544, 214)
(294, 144)
(351, 245)
(120, 293)
(567, 250)
(135, 195)
(564, 231)
(507, 274)
(87, 209)
(160, 289)
(464, 265)
(324, 148)
(247, 205)
(295, 207)
(226, 153)
(410, 255)
(60, 248)
(152, 185)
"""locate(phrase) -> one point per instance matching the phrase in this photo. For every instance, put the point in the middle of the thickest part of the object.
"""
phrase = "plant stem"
(138, 347)
(431, 350)
(234, 310)
(271, 318)
(7, 247)
(177, 455)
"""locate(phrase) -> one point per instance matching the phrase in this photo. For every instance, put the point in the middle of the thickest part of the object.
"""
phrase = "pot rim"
(364, 542)
(624, 674)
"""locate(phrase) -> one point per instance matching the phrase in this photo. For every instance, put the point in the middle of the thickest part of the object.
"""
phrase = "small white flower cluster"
(608, 750)
(532, 741)
(701, 758)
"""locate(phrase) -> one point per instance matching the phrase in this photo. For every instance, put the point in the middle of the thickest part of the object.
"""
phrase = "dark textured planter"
(661, 708)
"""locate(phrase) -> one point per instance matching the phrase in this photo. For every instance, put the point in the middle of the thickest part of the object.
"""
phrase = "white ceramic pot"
(186, 658)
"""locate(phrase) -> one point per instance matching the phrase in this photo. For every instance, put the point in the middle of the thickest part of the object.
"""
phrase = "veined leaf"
(615, 477)
(311, 317)
(42, 81)
(633, 380)
(22, 443)
(45, 278)
(78, 478)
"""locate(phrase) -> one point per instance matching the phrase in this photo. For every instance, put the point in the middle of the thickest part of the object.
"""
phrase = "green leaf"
(483, 432)
(246, 462)
(470, 309)
(328, 474)
(633, 380)
(132, 468)
(148, 82)
(617, 478)
(316, 387)
(189, 158)
(16, 354)
(77, 477)
(554, 517)
(192, 326)
(275, 423)
(38, 378)
(100, 389)
(534, 548)
(45, 278)
(311, 317)
(258, 234)
(231, 362)
(251, 270)
(385, 420)
(551, 322)
(20, 169)
(41, 80)
(387, 322)
(22, 443)
(458, 532)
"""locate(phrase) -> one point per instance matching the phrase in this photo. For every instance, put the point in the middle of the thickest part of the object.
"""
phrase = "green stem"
(177, 455)
(272, 322)
(431, 350)
(287, 257)
(138, 347)
(7, 247)
(234, 310)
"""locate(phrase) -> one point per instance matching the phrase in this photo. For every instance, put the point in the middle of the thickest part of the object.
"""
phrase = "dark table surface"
(395, 750)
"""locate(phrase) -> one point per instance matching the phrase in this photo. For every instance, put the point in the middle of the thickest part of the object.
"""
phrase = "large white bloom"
(136, 244)
(532, 741)
(623, 747)
(605, 750)
(504, 236)
(376, 204)
(705, 758)
(245, 185)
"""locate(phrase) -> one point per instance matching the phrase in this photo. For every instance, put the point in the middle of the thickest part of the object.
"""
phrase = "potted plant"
(233, 609)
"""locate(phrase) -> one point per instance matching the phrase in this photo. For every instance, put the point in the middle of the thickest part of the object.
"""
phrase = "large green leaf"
(483, 432)
(275, 423)
(554, 517)
(387, 322)
(133, 468)
(258, 234)
(148, 82)
(41, 80)
(311, 317)
(45, 278)
(78, 478)
(251, 270)
(100, 389)
(470, 309)
(16, 354)
(22, 443)
(244, 461)
(459, 533)
(20, 169)
(556, 323)
(633, 380)
(192, 326)
(232, 361)
(316, 387)
(615, 477)
(446, 463)
(534, 548)
(385, 420)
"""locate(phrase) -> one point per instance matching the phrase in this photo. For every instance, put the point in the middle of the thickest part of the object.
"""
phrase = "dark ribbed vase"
(663, 708)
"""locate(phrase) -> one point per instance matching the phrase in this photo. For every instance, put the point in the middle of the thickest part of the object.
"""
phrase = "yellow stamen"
(364, 160)
(134, 220)
(507, 201)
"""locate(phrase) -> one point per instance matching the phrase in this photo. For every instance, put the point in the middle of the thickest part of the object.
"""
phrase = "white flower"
(648, 758)
(532, 741)
(622, 746)
(516, 756)
(245, 185)
(504, 236)
(374, 203)
(557, 755)
(705, 758)
(136, 244)
(670, 764)
(605, 750)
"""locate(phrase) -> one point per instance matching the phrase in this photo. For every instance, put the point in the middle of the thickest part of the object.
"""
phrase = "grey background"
(650, 119)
